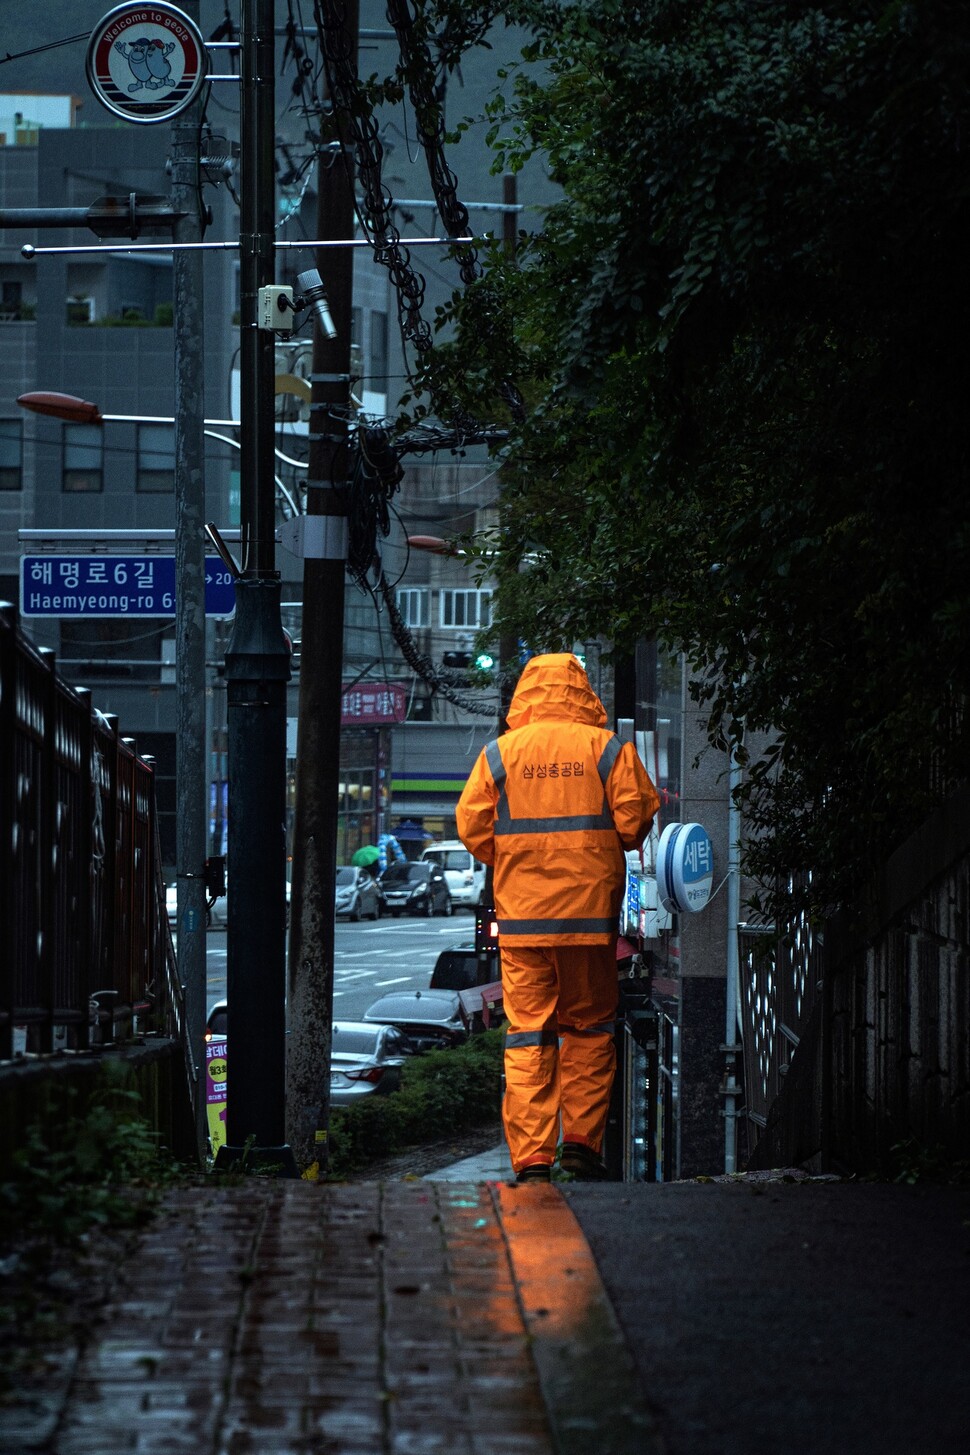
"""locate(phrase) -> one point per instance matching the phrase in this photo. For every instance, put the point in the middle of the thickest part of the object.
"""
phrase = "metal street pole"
(257, 664)
(311, 961)
(190, 728)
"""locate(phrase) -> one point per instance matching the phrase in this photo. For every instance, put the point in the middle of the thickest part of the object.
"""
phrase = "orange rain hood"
(554, 688)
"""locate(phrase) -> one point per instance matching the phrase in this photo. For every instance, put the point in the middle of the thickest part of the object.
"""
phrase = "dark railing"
(779, 974)
(855, 1037)
(86, 954)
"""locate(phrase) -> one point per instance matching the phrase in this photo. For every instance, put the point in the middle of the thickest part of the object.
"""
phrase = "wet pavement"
(458, 1313)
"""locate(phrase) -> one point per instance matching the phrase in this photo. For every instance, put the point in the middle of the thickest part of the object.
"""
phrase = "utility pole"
(311, 960)
(191, 743)
(257, 662)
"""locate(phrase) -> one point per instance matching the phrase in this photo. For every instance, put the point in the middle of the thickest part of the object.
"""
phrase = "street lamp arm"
(61, 406)
(435, 544)
(81, 411)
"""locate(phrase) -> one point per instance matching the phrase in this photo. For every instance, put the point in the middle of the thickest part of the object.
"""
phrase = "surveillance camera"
(314, 295)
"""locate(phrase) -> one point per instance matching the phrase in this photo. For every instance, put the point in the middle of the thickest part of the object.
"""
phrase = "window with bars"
(466, 609)
(412, 603)
(82, 470)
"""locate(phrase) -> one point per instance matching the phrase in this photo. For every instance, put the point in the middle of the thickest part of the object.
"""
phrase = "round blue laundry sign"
(685, 868)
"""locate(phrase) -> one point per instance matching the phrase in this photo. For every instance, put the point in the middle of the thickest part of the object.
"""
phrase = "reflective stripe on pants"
(559, 1054)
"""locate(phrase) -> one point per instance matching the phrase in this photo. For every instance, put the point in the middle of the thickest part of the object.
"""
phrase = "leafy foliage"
(83, 1166)
(936, 1163)
(83, 1174)
(738, 338)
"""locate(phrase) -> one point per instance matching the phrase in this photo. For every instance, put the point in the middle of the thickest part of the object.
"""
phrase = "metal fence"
(86, 954)
(779, 978)
(857, 1036)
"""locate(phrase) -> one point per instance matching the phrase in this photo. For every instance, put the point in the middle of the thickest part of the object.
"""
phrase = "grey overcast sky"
(61, 72)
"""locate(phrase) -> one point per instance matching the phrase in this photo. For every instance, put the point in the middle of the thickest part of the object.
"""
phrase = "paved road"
(370, 959)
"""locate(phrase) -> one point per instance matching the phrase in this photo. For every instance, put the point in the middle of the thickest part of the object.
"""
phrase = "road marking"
(388, 929)
(399, 955)
(398, 981)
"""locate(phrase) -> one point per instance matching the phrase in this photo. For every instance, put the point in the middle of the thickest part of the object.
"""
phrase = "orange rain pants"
(559, 1055)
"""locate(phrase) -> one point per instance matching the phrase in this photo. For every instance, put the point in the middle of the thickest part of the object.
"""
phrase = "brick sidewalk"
(377, 1319)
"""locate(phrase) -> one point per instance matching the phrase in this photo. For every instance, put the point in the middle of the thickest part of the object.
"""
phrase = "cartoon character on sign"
(148, 63)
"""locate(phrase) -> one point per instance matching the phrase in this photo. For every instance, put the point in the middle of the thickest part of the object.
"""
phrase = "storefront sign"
(372, 703)
(685, 868)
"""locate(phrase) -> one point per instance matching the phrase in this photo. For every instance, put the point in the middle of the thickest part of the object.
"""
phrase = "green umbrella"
(366, 855)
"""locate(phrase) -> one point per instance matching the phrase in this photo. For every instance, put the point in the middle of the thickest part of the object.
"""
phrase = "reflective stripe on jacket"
(552, 804)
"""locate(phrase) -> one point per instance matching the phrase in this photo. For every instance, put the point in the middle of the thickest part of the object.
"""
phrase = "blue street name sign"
(114, 586)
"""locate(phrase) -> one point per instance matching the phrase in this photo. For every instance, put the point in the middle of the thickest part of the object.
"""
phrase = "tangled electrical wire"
(375, 211)
(419, 69)
(375, 215)
(376, 469)
(438, 679)
(377, 472)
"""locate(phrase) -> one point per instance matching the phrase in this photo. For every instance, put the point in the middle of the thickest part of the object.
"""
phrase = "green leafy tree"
(738, 337)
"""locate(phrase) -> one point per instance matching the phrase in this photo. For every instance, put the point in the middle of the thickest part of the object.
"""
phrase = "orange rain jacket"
(552, 804)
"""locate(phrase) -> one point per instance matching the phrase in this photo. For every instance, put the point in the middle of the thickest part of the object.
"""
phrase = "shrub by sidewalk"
(86, 1174)
(442, 1093)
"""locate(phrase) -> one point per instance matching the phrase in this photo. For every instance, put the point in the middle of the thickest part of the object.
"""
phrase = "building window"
(378, 350)
(412, 603)
(83, 468)
(12, 303)
(156, 459)
(467, 609)
(11, 454)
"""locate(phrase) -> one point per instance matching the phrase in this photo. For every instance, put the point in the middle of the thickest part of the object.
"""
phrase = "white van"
(465, 876)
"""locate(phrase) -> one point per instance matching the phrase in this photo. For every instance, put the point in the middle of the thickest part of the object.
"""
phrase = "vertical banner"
(215, 1093)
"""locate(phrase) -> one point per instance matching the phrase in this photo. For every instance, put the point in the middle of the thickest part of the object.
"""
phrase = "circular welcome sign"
(685, 868)
(146, 63)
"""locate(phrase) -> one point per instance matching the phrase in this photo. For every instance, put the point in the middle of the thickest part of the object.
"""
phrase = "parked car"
(366, 1060)
(217, 1021)
(455, 969)
(432, 1019)
(217, 914)
(464, 873)
(419, 888)
(358, 893)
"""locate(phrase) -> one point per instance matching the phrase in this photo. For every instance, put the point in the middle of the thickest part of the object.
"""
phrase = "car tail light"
(366, 1073)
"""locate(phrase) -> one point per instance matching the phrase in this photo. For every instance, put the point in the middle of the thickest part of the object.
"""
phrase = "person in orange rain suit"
(552, 804)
